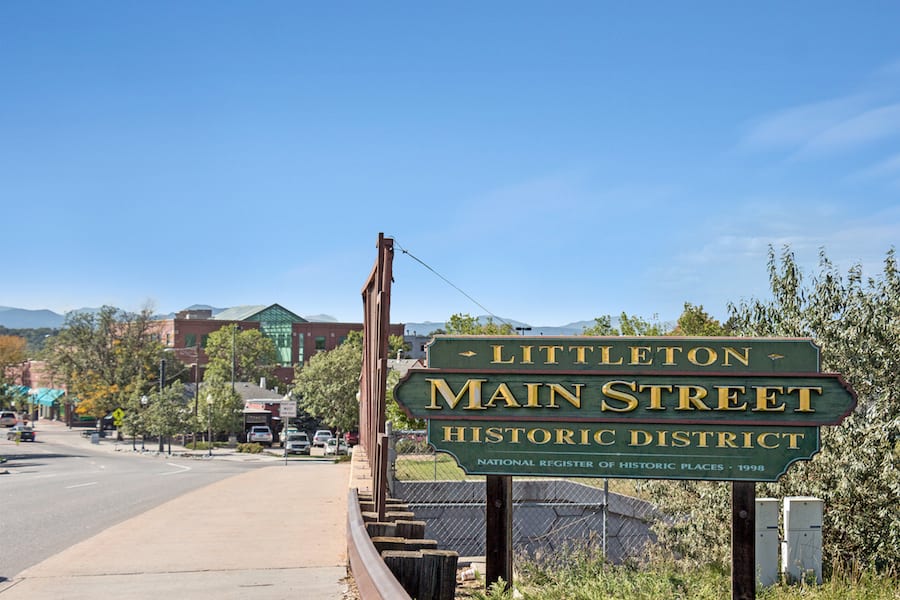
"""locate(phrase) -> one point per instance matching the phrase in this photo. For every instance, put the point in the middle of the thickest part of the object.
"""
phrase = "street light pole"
(162, 385)
(196, 393)
(233, 332)
(209, 405)
(144, 401)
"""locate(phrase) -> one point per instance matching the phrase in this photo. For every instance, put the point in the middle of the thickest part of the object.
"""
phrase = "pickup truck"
(260, 434)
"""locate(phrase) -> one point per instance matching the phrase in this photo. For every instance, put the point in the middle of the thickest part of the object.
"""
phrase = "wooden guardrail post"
(405, 567)
(437, 575)
(414, 530)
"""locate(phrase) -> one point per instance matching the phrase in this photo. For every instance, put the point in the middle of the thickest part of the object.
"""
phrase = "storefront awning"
(46, 396)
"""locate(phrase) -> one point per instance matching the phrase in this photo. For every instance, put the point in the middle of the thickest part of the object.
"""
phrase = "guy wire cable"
(450, 283)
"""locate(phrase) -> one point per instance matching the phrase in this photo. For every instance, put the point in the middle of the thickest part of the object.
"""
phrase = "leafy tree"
(167, 412)
(219, 406)
(151, 412)
(135, 421)
(35, 338)
(465, 324)
(12, 352)
(602, 326)
(101, 357)
(635, 325)
(396, 344)
(393, 412)
(628, 325)
(11, 397)
(696, 321)
(857, 471)
(327, 387)
(254, 355)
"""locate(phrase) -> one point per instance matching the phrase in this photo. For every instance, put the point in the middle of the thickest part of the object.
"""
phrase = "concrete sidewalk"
(272, 533)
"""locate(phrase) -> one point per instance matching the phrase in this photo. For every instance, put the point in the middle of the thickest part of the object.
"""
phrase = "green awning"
(46, 396)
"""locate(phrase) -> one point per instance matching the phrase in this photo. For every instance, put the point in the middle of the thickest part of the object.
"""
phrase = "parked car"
(20, 432)
(260, 434)
(8, 418)
(321, 437)
(287, 431)
(352, 438)
(297, 443)
(335, 446)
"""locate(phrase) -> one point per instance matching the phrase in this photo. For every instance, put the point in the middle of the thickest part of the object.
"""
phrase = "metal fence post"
(605, 512)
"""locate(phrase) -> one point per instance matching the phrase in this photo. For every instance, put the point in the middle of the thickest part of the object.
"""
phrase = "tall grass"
(582, 574)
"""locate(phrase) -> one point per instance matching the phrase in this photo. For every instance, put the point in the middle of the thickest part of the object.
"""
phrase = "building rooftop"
(239, 313)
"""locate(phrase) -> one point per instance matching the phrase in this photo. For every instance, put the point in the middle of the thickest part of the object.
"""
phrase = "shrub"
(250, 448)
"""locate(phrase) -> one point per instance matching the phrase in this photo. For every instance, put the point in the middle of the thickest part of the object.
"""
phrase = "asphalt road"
(58, 491)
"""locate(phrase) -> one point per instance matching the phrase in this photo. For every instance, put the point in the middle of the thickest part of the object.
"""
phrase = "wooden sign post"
(498, 530)
(743, 540)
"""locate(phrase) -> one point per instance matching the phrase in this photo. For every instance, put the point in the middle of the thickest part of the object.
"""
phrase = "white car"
(321, 437)
(260, 434)
(335, 447)
(286, 432)
(297, 443)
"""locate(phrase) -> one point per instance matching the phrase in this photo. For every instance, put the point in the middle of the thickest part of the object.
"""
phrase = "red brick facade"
(307, 338)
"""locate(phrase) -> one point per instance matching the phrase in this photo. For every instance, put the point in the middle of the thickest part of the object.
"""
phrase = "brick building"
(296, 339)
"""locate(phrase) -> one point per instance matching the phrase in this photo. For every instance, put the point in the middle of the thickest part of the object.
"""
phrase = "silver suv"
(297, 443)
(321, 438)
(8, 418)
(260, 434)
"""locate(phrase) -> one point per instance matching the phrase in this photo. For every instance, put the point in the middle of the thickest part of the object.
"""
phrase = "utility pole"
(234, 327)
(162, 386)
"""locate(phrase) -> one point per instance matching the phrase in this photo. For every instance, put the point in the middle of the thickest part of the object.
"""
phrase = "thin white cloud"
(867, 127)
(796, 126)
(730, 264)
(858, 119)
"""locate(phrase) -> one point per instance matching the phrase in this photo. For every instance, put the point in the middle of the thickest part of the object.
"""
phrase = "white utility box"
(767, 566)
(801, 552)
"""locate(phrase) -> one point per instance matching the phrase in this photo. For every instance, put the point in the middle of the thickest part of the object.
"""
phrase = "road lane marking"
(182, 467)
(79, 485)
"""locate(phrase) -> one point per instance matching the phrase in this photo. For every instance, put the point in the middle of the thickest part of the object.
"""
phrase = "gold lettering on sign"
(629, 401)
(439, 386)
(805, 400)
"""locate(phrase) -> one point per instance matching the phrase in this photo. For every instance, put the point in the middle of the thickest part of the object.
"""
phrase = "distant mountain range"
(22, 318)
(576, 328)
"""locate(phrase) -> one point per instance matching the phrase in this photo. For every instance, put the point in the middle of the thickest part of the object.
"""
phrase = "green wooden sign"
(713, 452)
(739, 399)
(662, 407)
(637, 354)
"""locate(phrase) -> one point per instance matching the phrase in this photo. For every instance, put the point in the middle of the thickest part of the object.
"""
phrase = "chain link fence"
(548, 513)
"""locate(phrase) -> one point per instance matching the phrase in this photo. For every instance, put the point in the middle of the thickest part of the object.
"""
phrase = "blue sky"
(555, 160)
